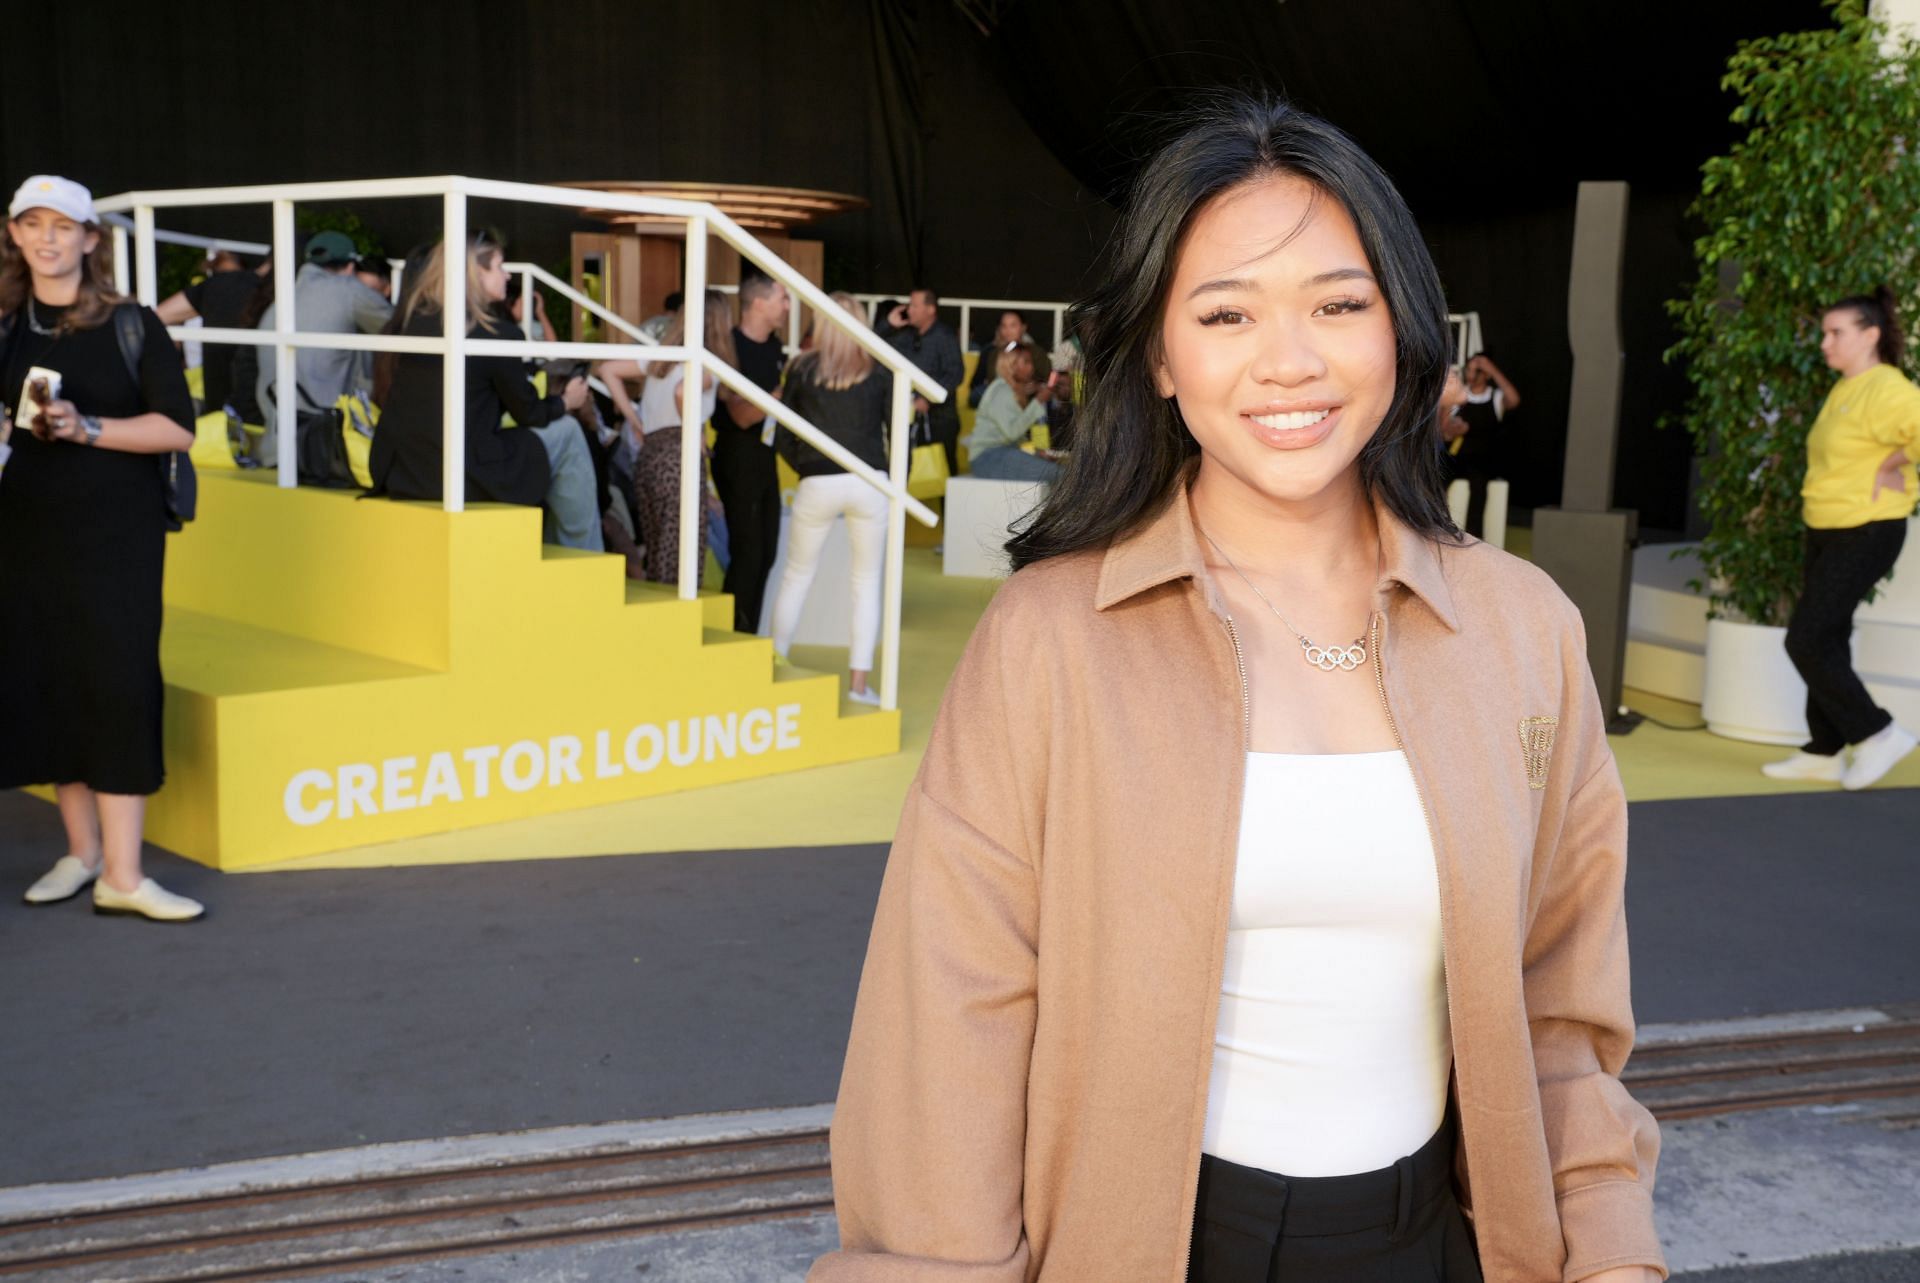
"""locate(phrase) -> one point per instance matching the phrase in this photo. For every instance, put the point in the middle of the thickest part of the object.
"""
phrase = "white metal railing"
(1026, 307)
(1466, 335)
(453, 345)
(166, 237)
(530, 272)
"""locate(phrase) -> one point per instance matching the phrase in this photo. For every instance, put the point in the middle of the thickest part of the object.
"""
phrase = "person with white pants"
(817, 503)
(836, 387)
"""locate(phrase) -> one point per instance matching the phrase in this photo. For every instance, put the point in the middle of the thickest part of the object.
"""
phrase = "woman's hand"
(59, 421)
(1624, 1274)
(1892, 473)
(574, 395)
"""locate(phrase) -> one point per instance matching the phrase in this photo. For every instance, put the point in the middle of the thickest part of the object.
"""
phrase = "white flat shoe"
(148, 900)
(1807, 766)
(867, 696)
(1875, 756)
(67, 878)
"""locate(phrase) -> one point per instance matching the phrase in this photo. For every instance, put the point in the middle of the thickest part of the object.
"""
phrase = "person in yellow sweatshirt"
(1857, 497)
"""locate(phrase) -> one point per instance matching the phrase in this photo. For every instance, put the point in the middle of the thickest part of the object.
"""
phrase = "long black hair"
(1130, 446)
(1882, 309)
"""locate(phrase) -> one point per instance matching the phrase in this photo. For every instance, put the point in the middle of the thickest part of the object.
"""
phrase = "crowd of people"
(84, 366)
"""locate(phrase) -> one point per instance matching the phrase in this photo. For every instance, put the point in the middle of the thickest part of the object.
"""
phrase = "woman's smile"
(1292, 429)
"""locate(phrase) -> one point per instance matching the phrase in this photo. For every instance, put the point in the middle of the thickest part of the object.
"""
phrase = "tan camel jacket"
(1026, 1083)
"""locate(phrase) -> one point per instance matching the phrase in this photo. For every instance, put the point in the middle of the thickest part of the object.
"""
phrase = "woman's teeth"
(1291, 422)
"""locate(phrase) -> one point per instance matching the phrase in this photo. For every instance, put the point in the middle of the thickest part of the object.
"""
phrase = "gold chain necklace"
(1328, 659)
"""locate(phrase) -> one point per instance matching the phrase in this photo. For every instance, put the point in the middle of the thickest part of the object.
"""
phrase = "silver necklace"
(1328, 659)
(33, 321)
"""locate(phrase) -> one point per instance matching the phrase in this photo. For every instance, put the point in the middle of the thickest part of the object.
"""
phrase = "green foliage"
(1817, 202)
(178, 267)
(365, 243)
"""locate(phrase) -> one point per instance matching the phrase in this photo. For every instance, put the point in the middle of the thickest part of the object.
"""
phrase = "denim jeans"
(1011, 463)
(573, 508)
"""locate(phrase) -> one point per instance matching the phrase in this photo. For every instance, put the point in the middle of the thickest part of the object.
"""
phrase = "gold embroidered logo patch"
(1536, 748)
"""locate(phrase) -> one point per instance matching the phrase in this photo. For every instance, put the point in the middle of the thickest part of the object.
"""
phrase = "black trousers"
(1400, 1224)
(749, 487)
(946, 430)
(1842, 566)
(1474, 465)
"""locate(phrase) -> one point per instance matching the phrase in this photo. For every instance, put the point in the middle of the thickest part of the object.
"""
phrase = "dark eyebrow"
(1341, 274)
(1233, 284)
(1226, 284)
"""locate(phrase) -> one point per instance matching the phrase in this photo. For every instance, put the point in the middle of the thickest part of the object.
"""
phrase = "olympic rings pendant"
(1330, 659)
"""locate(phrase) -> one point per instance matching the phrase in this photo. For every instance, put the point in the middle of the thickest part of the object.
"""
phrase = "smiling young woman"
(1257, 910)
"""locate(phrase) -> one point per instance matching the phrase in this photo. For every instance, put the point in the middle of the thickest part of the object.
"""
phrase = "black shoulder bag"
(176, 467)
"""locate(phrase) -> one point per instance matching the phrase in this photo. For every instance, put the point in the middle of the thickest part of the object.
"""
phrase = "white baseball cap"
(61, 195)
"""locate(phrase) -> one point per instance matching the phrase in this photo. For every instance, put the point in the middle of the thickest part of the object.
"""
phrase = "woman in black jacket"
(542, 462)
(837, 388)
(83, 541)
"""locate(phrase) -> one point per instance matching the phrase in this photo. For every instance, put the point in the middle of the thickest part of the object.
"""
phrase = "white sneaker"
(867, 696)
(148, 900)
(67, 878)
(1807, 766)
(1875, 756)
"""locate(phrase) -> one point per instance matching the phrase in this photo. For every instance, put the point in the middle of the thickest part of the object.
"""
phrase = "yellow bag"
(359, 417)
(927, 471)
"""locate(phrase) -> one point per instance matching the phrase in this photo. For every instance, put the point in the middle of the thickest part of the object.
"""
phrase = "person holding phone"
(923, 338)
(1015, 402)
(541, 462)
(83, 525)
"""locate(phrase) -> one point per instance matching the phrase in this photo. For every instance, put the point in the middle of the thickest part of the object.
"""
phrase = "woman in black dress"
(83, 522)
(542, 463)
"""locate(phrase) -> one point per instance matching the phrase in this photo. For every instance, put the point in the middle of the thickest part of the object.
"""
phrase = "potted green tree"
(1818, 201)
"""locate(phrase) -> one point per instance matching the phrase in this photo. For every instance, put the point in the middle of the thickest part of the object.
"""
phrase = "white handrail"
(967, 305)
(166, 237)
(454, 345)
(529, 272)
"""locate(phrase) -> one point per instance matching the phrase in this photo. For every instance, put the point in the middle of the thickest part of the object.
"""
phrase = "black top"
(855, 417)
(763, 361)
(1484, 432)
(93, 375)
(505, 465)
(937, 352)
(82, 545)
(221, 300)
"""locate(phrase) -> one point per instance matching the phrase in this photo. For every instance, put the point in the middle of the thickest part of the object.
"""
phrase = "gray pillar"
(1586, 544)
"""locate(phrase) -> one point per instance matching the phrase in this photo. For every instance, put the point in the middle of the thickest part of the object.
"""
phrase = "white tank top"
(660, 400)
(1331, 1055)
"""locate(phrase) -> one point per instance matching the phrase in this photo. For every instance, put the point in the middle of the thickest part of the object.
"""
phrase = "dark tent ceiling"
(1487, 113)
(1473, 106)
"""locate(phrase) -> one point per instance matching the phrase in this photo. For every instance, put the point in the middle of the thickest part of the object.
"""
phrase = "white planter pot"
(1752, 690)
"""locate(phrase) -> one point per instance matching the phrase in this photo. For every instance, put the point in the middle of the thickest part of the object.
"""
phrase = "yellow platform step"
(343, 672)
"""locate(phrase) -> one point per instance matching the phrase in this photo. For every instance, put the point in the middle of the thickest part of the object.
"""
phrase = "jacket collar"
(1167, 548)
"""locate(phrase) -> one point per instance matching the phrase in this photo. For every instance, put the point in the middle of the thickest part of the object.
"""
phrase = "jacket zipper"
(1446, 973)
(1246, 743)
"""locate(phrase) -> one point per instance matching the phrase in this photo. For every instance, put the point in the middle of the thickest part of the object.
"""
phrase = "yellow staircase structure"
(343, 672)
